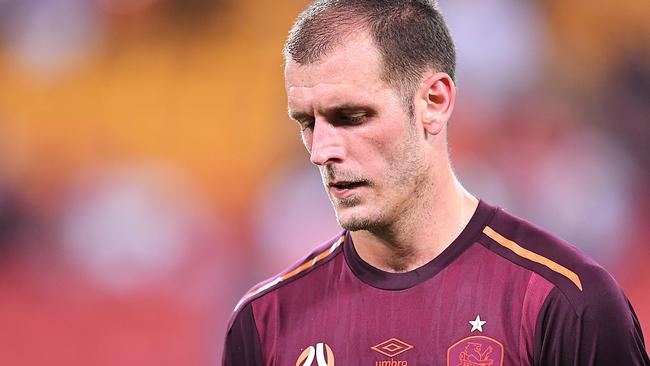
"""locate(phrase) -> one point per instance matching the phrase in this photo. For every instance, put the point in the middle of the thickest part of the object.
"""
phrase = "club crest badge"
(476, 351)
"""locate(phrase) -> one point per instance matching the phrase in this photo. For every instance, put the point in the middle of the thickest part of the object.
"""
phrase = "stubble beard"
(355, 222)
(380, 215)
(406, 178)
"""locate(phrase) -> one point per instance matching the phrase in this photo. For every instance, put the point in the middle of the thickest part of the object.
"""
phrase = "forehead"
(350, 67)
(354, 53)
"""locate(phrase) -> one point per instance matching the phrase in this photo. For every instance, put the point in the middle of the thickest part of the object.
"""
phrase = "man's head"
(411, 36)
(371, 119)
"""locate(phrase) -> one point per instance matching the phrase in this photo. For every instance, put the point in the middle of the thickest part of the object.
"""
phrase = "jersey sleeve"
(242, 346)
(604, 330)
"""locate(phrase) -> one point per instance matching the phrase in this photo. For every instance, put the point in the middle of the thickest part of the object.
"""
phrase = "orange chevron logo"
(392, 347)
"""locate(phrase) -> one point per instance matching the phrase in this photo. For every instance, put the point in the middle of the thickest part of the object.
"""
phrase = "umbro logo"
(392, 348)
(322, 354)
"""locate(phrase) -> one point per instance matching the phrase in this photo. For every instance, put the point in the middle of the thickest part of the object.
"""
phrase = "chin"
(356, 225)
(354, 214)
(355, 221)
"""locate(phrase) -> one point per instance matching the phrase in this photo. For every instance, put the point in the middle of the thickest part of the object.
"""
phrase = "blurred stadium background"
(149, 174)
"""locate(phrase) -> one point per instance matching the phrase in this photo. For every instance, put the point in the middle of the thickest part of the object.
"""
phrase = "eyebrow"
(341, 108)
(299, 116)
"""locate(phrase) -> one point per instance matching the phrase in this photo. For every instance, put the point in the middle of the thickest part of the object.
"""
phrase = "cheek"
(403, 156)
(382, 136)
(379, 157)
(393, 144)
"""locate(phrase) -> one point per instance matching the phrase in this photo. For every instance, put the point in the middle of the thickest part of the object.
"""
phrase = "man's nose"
(326, 144)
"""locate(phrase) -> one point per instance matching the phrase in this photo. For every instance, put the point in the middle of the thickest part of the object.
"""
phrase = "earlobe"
(438, 94)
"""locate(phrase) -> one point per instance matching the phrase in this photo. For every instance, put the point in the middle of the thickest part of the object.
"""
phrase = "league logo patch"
(476, 351)
(322, 353)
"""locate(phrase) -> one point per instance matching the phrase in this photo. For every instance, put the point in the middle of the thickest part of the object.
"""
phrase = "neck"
(421, 234)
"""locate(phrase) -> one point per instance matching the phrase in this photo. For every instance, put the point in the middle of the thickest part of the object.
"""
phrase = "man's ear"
(435, 98)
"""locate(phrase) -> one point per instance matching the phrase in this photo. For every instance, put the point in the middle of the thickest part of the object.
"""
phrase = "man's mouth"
(346, 185)
(344, 189)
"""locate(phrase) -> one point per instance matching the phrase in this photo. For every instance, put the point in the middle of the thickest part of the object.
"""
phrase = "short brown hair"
(411, 36)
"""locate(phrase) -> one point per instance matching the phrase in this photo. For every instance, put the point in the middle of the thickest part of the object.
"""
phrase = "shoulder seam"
(282, 279)
(532, 256)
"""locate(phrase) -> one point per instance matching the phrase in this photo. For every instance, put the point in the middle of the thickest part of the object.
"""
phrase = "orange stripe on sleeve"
(303, 267)
(523, 252)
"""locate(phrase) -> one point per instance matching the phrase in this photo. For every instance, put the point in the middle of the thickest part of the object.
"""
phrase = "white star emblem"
(477, 324)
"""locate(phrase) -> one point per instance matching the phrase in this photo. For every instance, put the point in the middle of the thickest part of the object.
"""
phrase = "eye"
(351, 118)
(306, 124)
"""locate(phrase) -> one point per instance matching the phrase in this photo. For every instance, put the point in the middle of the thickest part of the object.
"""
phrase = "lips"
(344, 189)
(346, 185)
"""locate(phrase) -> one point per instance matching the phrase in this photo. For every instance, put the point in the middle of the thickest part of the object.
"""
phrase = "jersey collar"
(400, 281)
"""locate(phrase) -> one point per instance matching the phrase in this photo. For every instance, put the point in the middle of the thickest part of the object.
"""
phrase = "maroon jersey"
(503, 293)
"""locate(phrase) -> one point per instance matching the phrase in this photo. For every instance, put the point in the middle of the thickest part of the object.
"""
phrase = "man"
(424, 273)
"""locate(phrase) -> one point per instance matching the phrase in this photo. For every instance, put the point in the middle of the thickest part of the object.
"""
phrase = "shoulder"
(574, 274)
(584, 315)
(320, 256)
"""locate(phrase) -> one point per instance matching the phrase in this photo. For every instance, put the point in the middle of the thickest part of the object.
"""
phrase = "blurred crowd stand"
(149, 174)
